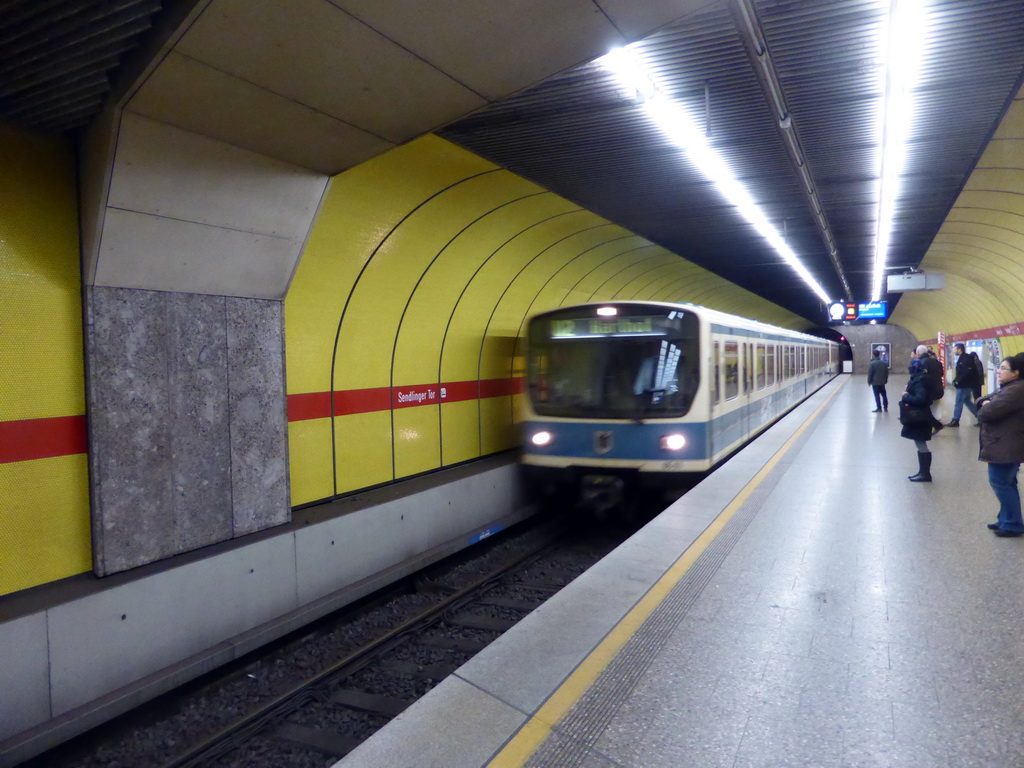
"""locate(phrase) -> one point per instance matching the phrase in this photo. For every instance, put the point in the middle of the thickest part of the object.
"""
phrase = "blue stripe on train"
(629, 440)
(641, 442)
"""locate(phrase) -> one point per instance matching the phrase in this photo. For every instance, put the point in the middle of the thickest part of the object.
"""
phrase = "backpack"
(980, 366)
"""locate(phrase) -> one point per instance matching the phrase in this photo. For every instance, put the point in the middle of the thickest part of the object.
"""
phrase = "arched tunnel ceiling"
(582, 136)
(327, 84)
(980, 248)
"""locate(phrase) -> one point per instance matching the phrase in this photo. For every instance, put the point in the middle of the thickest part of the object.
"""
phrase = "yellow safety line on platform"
(524, 742)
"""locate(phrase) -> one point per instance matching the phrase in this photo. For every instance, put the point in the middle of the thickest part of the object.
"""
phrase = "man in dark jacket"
(965, 380)
(878, 376)
(933, 369)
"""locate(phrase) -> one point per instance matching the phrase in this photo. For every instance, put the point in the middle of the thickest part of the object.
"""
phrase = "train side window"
(718, 373)
(749, 375)
(745, 362)
(769, 364)
(744, 369)
(732, 372)
(760, 366)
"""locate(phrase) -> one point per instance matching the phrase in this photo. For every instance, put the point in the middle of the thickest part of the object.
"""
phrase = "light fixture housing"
(902, 48)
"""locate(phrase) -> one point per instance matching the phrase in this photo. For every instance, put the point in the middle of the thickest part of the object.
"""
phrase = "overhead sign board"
(916, 281)
(841, 311)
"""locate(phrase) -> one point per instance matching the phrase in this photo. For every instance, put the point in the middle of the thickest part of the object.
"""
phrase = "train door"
(732, 421)
(716, 397)
(748, 386)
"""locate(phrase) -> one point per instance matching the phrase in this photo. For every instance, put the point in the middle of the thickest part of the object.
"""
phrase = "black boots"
(954, 423)
(924, 466)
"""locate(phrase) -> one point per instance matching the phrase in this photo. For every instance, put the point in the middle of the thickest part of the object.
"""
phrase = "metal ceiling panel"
(317, 55)
(56, 57)
(581, 137)
(194, 96)
(636, 20)
(523, 41)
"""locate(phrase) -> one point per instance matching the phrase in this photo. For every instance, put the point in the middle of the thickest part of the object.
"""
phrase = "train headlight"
(673, 442)
(541, 438)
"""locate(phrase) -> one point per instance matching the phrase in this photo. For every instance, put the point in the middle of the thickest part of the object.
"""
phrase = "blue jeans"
(1003, 479)
(881, 398)
(964, 396)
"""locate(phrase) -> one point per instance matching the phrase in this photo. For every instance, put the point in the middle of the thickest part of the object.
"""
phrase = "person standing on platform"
(878, 376)
(965, 380)
(933, 368)
(916, 417)
(1002, 443)
(981, 380)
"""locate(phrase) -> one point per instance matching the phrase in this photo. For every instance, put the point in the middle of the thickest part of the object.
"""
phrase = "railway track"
(311, 700)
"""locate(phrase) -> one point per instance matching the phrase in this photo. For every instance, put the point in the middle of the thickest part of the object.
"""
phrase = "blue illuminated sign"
(873, 310)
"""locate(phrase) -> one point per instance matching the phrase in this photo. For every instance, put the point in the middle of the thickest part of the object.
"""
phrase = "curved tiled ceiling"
(980, 247)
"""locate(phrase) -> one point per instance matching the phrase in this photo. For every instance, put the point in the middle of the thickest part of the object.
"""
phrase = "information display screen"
(599, 327)
(873, 310)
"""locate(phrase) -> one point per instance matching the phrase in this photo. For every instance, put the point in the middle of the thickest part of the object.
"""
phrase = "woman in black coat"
(918, 399)
(1002, 443)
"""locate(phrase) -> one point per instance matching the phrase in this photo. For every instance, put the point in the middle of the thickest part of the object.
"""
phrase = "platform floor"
(805, 605)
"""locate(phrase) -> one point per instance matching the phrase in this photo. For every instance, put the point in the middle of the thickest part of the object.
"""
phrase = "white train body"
(647, 390)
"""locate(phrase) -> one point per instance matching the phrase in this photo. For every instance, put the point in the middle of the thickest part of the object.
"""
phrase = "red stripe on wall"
(500, 387)
(30, 439)
(42, 438)
(459, 391)
(1013, 329)
(352, 401)
(317, 405)
(312, 405)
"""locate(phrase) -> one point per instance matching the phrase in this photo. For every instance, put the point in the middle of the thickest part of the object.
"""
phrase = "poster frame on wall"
(886, 349)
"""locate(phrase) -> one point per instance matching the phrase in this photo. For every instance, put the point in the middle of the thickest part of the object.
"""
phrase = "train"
(627, 396)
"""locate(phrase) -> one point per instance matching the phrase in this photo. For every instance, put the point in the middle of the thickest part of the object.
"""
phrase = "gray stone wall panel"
(199, 424)
(862, 337)
(129, 430)
(188, 440)
(259, 428)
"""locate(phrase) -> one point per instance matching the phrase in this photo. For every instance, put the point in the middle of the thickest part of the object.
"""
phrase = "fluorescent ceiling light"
(902, 46)
(677, 124)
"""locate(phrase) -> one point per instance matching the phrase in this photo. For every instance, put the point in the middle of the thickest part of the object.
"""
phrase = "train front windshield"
(640, 363)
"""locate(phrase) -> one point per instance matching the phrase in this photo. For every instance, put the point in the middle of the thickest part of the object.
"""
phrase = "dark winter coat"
(966, 376)
(980, 367)
(934, 370)
(878, 372)
(918, 394)
(1002, 425)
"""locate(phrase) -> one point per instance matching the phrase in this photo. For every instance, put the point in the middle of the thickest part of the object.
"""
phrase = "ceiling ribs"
(752, 34)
